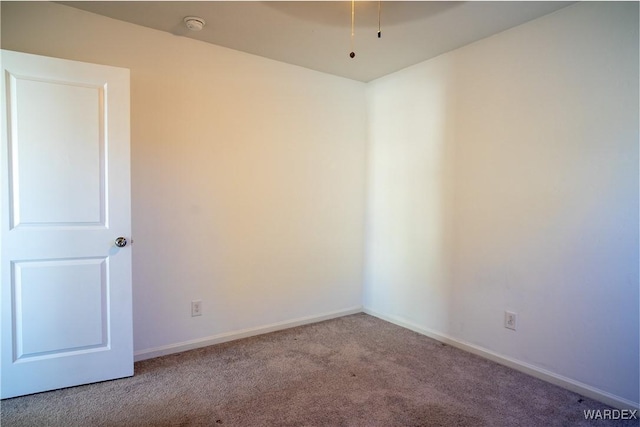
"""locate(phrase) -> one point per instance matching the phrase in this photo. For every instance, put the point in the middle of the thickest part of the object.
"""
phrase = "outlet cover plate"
(196, 308)
(510, 320)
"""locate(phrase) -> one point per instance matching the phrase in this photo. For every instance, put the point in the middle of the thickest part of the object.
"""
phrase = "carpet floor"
(352, 371)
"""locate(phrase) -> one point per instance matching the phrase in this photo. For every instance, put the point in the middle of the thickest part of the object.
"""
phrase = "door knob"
(121, 242)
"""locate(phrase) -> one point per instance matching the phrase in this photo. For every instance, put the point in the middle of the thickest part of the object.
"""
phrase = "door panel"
(54, 159)
(45, 301)
(66, 287)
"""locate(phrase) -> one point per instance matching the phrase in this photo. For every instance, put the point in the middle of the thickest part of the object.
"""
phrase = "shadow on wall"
(410, 188)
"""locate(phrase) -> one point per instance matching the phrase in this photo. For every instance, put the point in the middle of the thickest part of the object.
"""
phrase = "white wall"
(247, 176)
(504, 175)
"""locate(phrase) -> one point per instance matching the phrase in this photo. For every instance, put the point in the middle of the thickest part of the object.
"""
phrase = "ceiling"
(316, 34)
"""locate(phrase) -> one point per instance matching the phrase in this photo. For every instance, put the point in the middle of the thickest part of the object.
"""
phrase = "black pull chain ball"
(352, 55)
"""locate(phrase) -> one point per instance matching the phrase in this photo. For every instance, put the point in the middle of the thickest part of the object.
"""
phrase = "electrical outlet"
(196, 308)
(510, 320)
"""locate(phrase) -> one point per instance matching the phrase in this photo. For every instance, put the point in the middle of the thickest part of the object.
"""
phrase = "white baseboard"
(534, 371)
(234, 335)
(543, 374)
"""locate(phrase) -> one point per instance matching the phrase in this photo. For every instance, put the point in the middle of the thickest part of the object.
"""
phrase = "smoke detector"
(194, 23)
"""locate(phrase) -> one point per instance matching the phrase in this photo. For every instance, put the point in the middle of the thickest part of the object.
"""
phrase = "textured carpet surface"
(353, 371)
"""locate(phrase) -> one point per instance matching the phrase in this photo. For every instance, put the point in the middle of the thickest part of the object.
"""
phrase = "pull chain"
(353, 26)
(352, 54)
(379, 6)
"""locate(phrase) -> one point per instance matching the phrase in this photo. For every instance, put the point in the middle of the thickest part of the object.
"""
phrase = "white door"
(66, 286)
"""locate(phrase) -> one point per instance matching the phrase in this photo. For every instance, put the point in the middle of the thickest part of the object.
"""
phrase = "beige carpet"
(353, 371)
